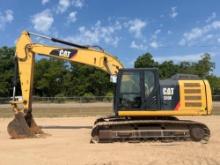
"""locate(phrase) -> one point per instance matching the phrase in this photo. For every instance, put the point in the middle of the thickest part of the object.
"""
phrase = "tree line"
(203, 68)
(60, 78)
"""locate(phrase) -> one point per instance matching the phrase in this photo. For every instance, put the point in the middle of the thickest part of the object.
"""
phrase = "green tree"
(59, 78)
(167, 69)
(85, 80)
(49, 77)
(214, 83)
(204, 67)
(6, 71)
(145, 61)
(186, 67)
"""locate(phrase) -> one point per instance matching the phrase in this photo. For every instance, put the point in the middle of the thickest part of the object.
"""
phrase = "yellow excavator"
(145, 107)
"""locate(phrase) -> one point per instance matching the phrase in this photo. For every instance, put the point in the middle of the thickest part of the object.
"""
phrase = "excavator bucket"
(23, 126)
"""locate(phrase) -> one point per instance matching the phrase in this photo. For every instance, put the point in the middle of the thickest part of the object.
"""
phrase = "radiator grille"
(193, 104)
(188, 98)
(192, 94)
(191, 85)
(188, 91)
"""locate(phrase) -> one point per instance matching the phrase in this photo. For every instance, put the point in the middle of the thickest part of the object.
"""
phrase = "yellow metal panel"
(160, 113)
(183, 92)
(208, 97)
(89, 56)
(26, 68)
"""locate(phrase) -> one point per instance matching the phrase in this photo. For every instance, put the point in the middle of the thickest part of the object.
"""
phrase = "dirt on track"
(69, 145)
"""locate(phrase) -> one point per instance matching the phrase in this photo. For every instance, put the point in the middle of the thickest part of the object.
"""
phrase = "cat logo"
(168, 91)
(64, 53)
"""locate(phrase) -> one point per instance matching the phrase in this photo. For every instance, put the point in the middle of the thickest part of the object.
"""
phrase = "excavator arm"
(26, 51)
(25, 55)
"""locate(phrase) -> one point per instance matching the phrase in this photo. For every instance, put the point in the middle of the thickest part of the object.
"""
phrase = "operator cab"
(137, 89)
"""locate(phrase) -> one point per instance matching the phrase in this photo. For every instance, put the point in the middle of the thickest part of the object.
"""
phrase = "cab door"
(151, 89)
(129, 94)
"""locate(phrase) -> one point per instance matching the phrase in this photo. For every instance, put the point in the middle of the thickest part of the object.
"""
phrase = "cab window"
(149, 82)
(130, 92)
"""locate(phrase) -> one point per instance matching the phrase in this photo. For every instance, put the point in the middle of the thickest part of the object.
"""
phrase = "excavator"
(145, 107)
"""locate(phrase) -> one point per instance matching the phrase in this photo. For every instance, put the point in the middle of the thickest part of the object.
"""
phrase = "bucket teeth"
(35, 129)
(19, 128)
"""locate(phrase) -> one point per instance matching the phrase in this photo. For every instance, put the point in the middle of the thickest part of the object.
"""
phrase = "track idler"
(23, 126)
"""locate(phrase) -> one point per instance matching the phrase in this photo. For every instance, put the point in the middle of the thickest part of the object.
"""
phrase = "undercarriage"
(113, 129)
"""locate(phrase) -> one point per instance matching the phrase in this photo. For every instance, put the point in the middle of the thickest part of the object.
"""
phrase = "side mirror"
(113, 78)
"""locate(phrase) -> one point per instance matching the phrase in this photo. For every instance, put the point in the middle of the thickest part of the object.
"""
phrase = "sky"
(171, 30)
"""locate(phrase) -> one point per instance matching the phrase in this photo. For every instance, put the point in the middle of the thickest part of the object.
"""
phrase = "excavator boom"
(25, 55)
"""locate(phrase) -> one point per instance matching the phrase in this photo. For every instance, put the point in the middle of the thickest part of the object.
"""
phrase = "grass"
(64, 112)
(73, 111)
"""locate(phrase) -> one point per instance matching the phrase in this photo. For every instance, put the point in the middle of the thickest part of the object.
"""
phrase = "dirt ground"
(69, 145)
